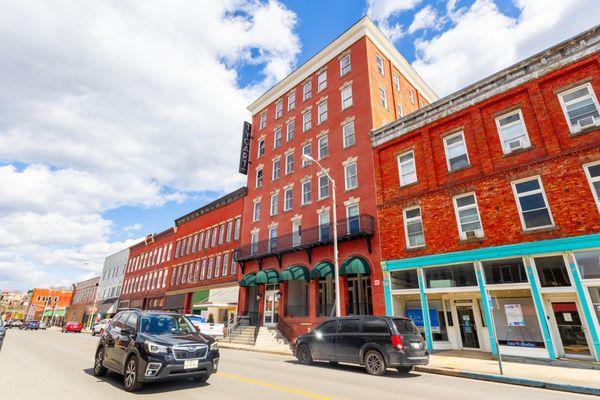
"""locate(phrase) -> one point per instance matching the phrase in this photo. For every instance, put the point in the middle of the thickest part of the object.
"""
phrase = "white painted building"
(111, 280)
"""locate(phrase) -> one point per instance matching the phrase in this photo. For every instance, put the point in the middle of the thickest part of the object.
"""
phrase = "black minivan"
(375, 342)
(149, 346)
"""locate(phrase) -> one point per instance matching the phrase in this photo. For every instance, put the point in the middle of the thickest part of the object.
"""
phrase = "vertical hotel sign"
(245, 151)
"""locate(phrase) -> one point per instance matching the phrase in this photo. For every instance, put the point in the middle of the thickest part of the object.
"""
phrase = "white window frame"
(521, 121)
(563, 105)
(263, 120)
(259, 173)
(345, 69)
(290, 133)
(591, 181)
(380, 65)
(403, 163)
(296, 232)
(321, 83)
(277, 138)
(237, 225)
(304, 185)
(478, 233)
(274, 209)
(322, 223)
(540, 190)
(357, 216)
(285, 199)
(400, 110)
(306, 163)
(320, 179)
(321, 112)
(291, 101)
(260, 151)
(276, 172)
(322, 150)
(306, 90)
(346, 135)
(349, 99)
(306, 122)
(279, 109)
(346, 176)
(464, 141)
(253, 242)
(411, 96)
(256, 211)
(383, 97)
(272, 238)
(289, 163)
(396, 80)
(412, 219)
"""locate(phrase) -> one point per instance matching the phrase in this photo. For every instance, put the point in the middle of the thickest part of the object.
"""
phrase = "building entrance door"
(271, 314)
(570, 329)
(468, 327)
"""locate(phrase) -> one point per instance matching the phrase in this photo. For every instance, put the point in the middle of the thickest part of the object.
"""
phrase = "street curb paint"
(512, 380)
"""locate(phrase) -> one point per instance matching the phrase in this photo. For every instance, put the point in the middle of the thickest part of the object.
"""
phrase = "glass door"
(468, 328)
(271, 315)
(570, 329)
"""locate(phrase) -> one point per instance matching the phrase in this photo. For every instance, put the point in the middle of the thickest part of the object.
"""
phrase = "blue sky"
(114, 120)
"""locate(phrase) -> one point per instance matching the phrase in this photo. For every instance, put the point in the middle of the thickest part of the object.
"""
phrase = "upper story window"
(383, 97)
(350, 175)
(306, 121)
(256, 212)
(323, 187)
(322, 112)
(396, 80)
(277, 138)
(272, 238)
(406, 168)
(532, 204)
(456, 151)
(306, 192)
(279, 109)
(307, 91)
(229, 231)
(291, 101)
(323, 144)
(380, 65)
(512, 130)
(592, 171)
(580, 107)
(289, 163)
(290, 130)
(259, 178)
(413, 227)
(261, 147)
(348, 134)
(276, 169)
(274, 203)
(211, 263)
(207, 239)
(324, 226)
(288, 199)
(411, 96)
(306, 149)
(221, 233)
(236, 229)
(345, 66)
(467, 216)
(203, 270)
(346, 94)
(213, 240)
(263, 120)
(321, 80)
(400, 110)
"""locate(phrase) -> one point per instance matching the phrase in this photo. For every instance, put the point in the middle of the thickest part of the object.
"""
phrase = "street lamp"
(336, 266)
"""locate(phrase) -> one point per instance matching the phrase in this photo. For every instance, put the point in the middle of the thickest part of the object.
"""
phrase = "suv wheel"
(99, 369)
(304, 356)
(130, 379)
(375, 363)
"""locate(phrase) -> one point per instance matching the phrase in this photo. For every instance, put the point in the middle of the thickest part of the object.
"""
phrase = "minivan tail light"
(397, 342)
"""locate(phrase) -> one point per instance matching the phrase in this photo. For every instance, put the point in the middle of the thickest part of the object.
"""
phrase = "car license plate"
(416, 346)
(189, 364)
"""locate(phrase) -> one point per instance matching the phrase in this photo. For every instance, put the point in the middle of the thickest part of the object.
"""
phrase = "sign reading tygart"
(245, 151)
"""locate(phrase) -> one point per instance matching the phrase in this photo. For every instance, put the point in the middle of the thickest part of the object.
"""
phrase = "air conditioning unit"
(515, 145)
(586, 123)
(476, 233)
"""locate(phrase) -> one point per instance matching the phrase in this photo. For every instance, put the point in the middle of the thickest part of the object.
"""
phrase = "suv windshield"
(165, 324)
(405, 326)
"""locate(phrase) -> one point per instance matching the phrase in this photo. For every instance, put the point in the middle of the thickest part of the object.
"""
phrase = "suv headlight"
(214, 346)
(155, 348)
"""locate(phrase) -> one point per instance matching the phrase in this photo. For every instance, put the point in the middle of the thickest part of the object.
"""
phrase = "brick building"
(488, 204)
(83, 308)
(190, 267)
(326, 109)
(49, 305)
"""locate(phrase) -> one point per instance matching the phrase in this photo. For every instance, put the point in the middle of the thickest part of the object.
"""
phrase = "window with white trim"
(225, 263)
(383, 97)
(396, 80)
(350, 176)
(323, 147)
(467, 216)
(276, 169)
(279, 109)
(203, 269)
(345, 65)
(259, 177)
(321, 80)
(352, 218)
(411, 96)
(236, 228)
(306, 149)
(380, 65)
(261, 147)
(306, 121)
(290, 130)
(277, 138)
(407, 168)
(291, 101)
(263, 120)
(296, 233)
(512, 131)
(413, 227)
(288, 195)
(221, 233)
(323, 187)
(272, 238)
(253, 242)
(274, 203)
(229, 231)
(307, 91)
(592, 171)
(324, 227)
(306, 192)
(289, 163)
(217, 266)
(400, 110)
(580, 107)
(348, 134)
(346, 94)
(256, 212)
(211, 263)
(213, 240)
(322, 112)
(532, 204)
(207, 239)
(456, 151)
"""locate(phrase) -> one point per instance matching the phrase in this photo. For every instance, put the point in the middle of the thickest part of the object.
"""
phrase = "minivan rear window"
(375, 326)
(405, 326)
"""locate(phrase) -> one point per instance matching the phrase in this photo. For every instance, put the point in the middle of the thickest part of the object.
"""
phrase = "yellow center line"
(269, 385)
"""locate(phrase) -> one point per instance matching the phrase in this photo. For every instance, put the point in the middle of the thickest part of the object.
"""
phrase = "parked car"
(374, 342)
(30, 325)
(99, 327)
(72, 327)
(43, 325)
(207, 328)
(2, 332)
(15, 323)
(149, 346)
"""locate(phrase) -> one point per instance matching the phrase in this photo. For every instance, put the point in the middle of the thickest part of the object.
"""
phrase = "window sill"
(472, 240)
(409, 185)
(520, 151)
(540, 230)
(348, 108)
(583, 131)
(413, 249)
(351, 189)
(459, 169)
(306, 204)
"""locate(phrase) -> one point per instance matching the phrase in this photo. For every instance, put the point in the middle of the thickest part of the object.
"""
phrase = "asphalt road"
(53, 365)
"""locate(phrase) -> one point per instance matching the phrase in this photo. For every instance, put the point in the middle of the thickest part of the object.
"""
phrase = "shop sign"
(514, 315)
(520, 344)
(245, 151)
(416, 314)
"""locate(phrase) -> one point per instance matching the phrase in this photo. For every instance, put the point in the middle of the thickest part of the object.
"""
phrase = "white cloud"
(109, 104)
(425, 18)
(133, 227)
(382, 11)
(484, 40)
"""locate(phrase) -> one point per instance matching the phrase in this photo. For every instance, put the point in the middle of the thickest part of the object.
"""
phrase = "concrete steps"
(271, 339)
(243, 335)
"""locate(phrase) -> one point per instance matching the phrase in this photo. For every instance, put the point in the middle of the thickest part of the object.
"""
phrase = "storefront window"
(451, 276)
(297, 299)
(552, 271)
(588, 263)
(326, 297)
(504, 271)
(439, 330)
(516, 319)
(404, 279)
(595, 295)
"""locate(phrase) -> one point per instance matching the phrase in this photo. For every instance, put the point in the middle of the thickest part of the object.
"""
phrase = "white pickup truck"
(206, 328)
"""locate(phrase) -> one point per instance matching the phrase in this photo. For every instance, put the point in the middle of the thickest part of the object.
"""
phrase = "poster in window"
(514, 315)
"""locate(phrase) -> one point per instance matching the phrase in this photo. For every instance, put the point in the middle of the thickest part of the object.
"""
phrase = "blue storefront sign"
(416, 314)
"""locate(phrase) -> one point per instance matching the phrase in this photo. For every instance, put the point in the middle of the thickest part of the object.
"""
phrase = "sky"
(116, 117)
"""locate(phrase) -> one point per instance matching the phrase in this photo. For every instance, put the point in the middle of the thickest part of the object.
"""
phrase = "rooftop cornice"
(219, 203)
(536, 66)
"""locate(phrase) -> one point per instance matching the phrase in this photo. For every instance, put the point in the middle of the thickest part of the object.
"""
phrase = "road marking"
(269, 385)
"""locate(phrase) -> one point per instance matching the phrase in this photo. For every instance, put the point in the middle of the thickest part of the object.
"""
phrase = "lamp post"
(336, 266)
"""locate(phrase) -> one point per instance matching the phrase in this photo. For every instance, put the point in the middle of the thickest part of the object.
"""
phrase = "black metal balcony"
(361, 226)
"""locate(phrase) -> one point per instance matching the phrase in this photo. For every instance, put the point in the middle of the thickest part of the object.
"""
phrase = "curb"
(254, 350)
(512, 380)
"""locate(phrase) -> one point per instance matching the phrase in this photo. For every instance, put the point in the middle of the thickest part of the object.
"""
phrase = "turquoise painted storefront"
(527, 252)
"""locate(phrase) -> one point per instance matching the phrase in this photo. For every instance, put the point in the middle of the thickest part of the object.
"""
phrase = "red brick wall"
(556, 156)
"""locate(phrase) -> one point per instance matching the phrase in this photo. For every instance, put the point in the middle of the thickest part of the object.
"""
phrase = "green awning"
(57, 313)
(322, 270)
(267, 276)
(355, 265)
(248, 280)
(294, 273)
